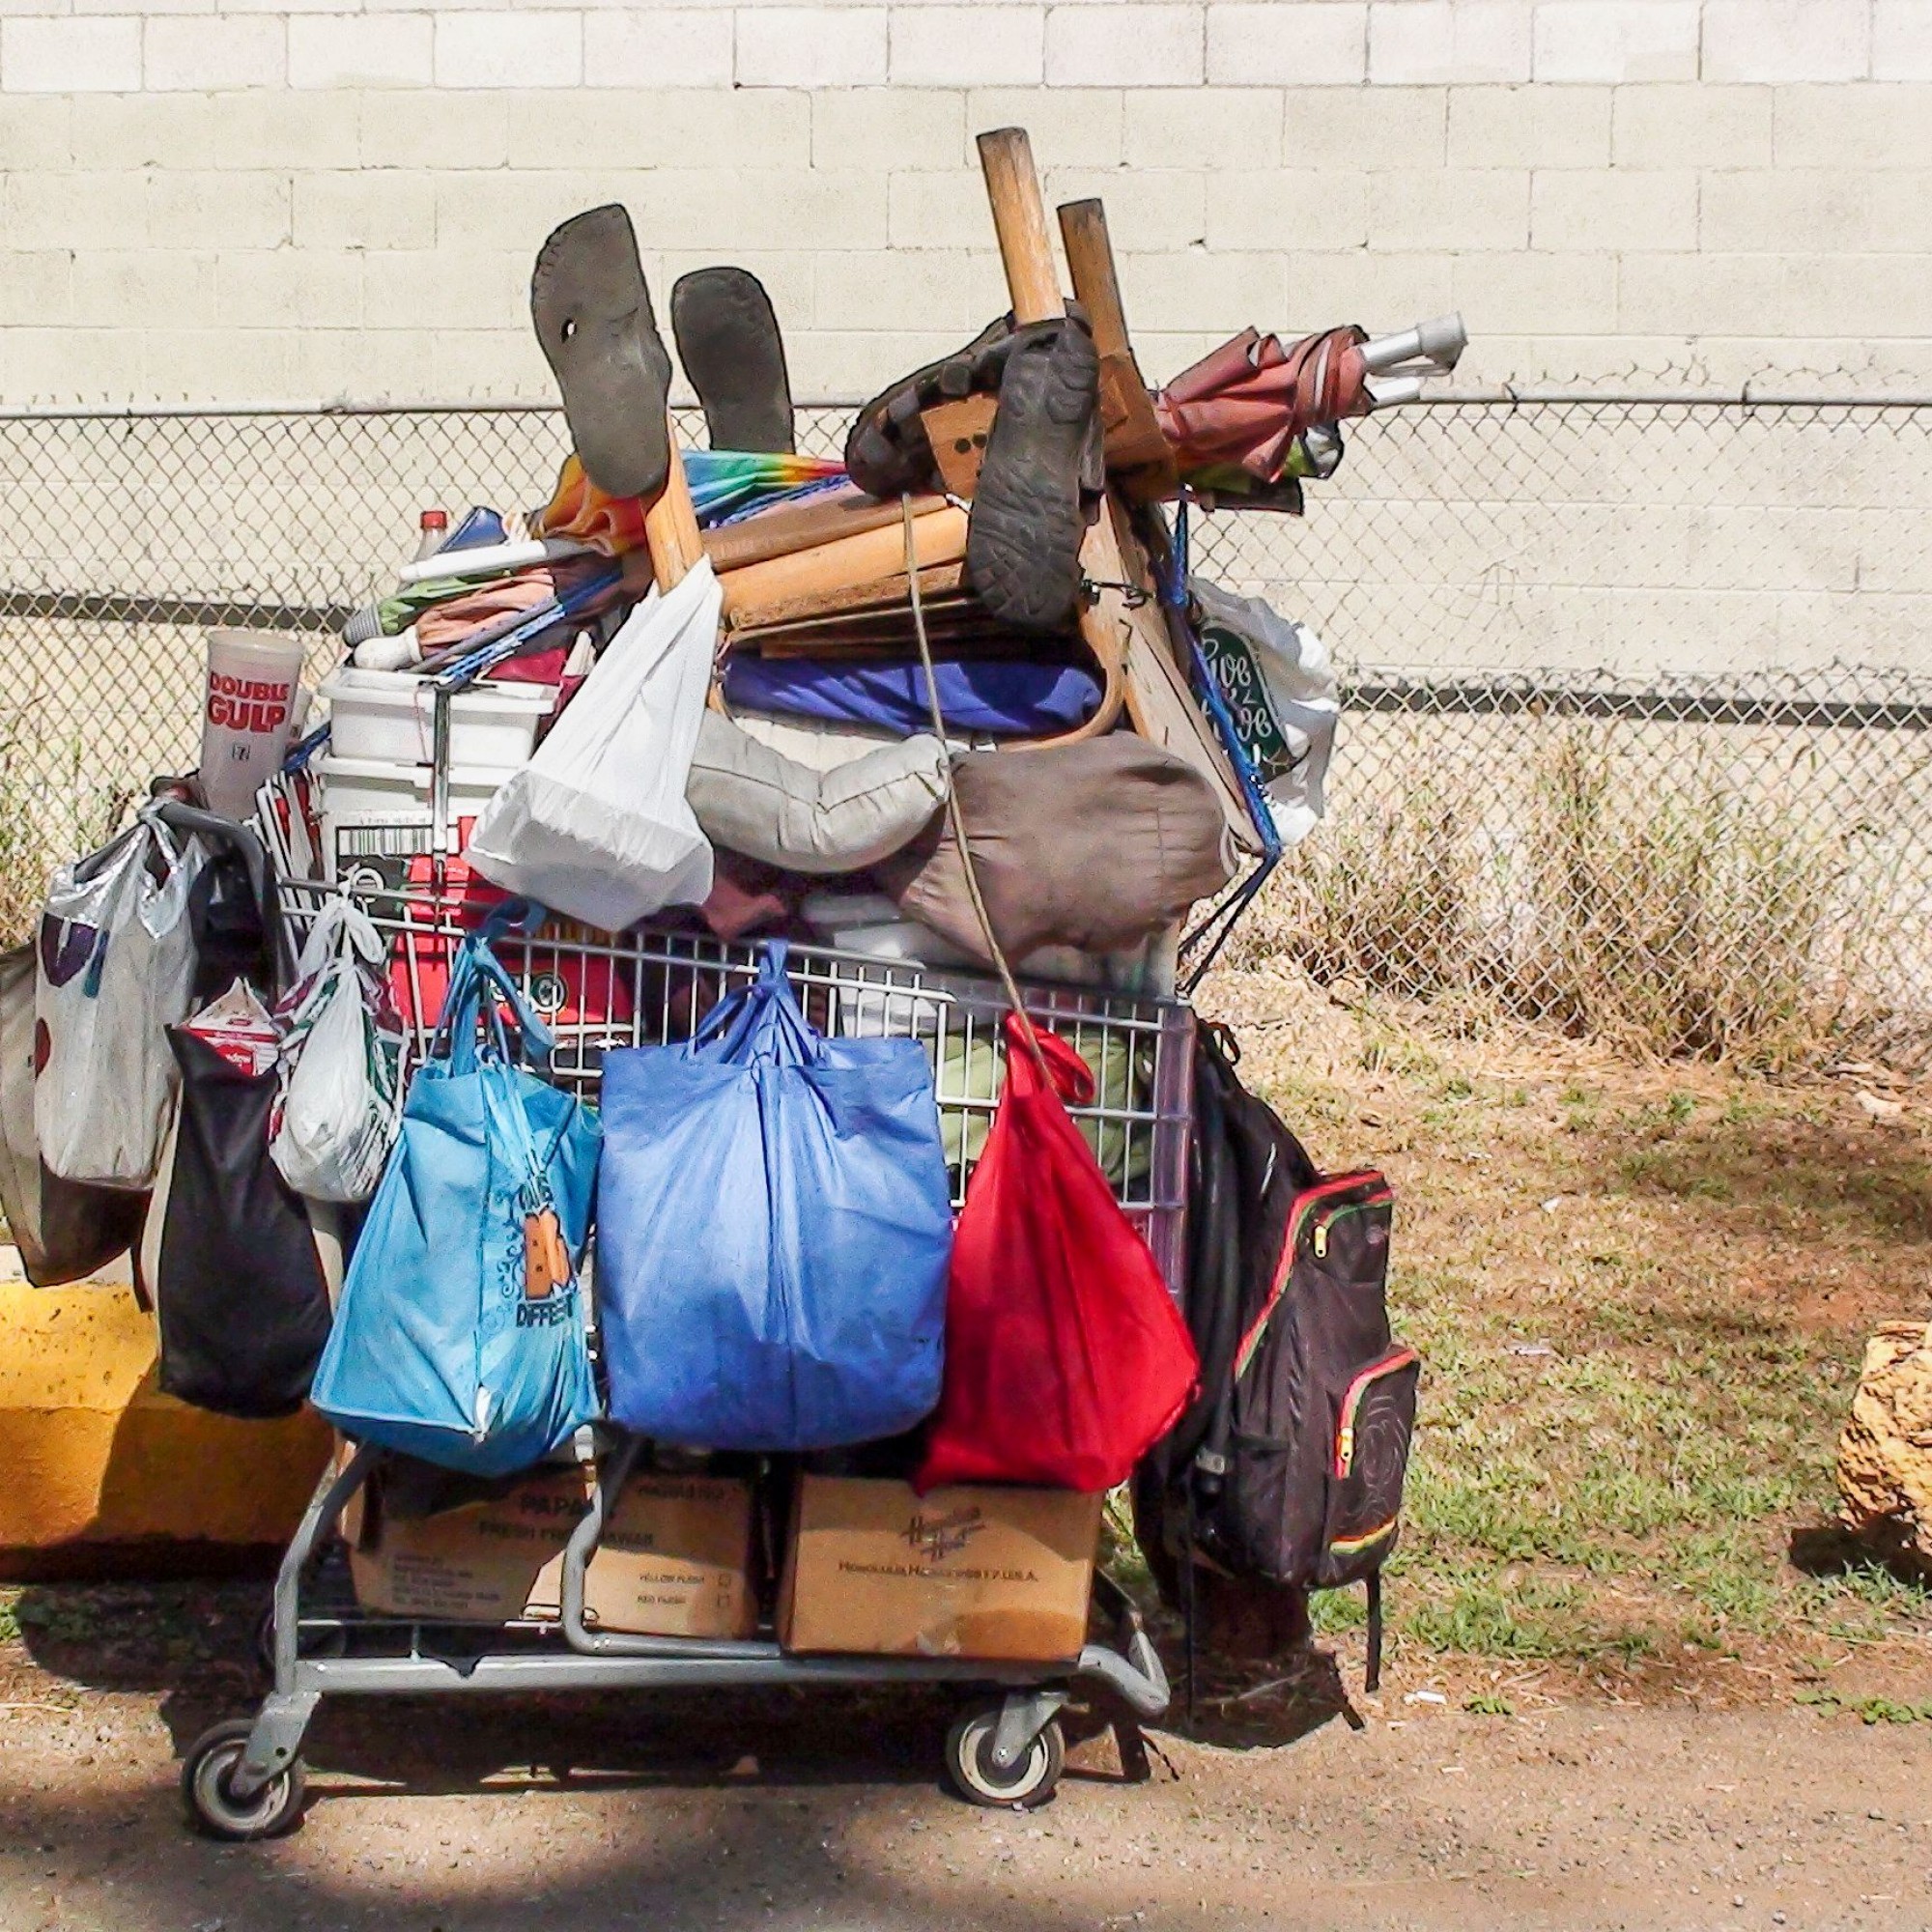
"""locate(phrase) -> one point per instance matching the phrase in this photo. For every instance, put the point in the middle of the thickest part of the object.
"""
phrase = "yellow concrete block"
(102, 1470)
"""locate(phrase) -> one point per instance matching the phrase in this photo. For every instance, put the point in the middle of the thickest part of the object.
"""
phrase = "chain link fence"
(1636, 690)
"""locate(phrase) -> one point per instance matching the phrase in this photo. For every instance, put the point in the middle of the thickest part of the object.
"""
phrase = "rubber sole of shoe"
(1023, 541)
(728, 342)
(594, 323)
(886, 453)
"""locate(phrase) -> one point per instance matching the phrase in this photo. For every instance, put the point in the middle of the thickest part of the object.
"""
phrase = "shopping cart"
(243, 1779)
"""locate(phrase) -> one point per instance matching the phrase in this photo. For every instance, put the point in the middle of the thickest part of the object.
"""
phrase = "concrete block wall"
(229, 200)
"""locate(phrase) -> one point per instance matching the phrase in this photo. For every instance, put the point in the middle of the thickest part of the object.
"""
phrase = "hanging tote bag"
(1065, 1357)
(773, 1230)
(596, 824)
(239, 1289)
(460, 1336)
(116, 969)
(341, 1095)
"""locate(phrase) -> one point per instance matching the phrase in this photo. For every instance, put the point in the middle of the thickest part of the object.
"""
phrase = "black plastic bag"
(244, 1302)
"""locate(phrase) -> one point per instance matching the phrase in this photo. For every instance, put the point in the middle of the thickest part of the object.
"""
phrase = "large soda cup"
(252, 683)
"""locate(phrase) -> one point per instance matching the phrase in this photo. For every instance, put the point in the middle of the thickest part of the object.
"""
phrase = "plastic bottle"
(432, 527)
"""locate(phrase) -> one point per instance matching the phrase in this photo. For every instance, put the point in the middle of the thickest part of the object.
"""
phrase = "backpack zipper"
(1304, 1205)
(1318, 1240)
(1352, 1403)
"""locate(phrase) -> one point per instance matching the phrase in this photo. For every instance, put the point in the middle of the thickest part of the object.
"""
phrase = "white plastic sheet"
(596, 825)
(115, 971)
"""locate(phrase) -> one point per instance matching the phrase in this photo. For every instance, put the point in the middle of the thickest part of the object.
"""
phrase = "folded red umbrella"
(1247, 402)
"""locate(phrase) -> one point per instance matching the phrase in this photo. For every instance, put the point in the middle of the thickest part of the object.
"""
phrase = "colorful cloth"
(723, 482)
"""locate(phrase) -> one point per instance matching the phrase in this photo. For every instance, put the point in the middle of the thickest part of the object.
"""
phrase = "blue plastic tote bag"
(460, 1337)
(774, 1227)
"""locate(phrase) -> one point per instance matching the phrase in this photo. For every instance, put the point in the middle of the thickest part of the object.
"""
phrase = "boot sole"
(593, 319)
(728, 342)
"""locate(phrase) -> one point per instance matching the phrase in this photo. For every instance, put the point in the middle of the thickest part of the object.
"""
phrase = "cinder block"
(69, 56)
(668, 47)
(137, 130)
(950, 291)
(1902, 40)
(482, 209)
(432, 129)
(727, 209)
(1075, 128)
(927, 208)
(491, 365)
(1648, 209)
(1380, 289)
(296, 131)
(1423, 42)
(1217, 126)
(74, 365)
(1787, 40)
(1140, 45)
(1851, 296)
(1197, 291)
(38, 130)
(1376, 127)
(1312, 44)
(1434, 209)
(882, 128)
(1616, 40)
(447, 288)
(987, 46)
(672, 127)
(37, 289)
(75, 211)
(374, 209)
(1821, 211)
(811, 46)
(361, 50)
(218, 365)
(1530, 127)
(1554, 295)
(1287, 208)
(113, 287)
(1147, 208)
(1690, 126)
(1852, 126)
(861, 363)
(288, 288)
(198, 56)
(1681, 295)
(369, 365)
(506, 50)
(190, 210)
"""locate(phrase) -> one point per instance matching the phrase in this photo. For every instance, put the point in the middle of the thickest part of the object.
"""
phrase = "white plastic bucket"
(390, 716)
(247, 711)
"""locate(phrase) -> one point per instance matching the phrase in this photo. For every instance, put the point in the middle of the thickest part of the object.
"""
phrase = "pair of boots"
(1040, 483)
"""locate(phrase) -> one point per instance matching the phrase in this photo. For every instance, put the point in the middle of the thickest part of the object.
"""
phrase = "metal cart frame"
(243, 1779)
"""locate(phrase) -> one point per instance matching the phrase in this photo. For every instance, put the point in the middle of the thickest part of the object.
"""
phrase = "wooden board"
(957, 433)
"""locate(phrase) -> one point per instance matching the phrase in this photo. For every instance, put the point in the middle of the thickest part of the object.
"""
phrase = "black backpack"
(1289, 1466)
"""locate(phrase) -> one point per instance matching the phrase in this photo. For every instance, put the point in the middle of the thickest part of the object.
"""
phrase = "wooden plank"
(1136, 448)
(670, 523)
(957, 433)
(788, 527)
(848, 562)
(1019, 220)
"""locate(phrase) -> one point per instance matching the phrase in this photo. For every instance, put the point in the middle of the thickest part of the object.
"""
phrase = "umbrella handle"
(1441, 341)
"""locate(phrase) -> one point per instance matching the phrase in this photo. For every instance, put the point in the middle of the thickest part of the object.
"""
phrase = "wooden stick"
(1019, 219)
(1090, 261)
(670, 523)
(869, 558)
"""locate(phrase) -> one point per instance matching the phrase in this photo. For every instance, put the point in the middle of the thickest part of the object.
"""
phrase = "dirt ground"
(675, 1813)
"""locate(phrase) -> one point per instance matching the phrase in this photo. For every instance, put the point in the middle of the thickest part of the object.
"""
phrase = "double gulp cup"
(253, 680)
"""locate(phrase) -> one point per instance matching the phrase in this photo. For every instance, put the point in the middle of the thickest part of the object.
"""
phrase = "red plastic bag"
(1065, 1356)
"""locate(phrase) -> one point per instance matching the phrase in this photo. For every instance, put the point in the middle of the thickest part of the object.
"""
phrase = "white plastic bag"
(116, 969)
(596, 825)
(342, 1092)
(1280, 686)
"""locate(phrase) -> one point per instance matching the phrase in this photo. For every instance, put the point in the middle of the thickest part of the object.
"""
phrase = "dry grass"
(1688, 922)
(49, 812)
(1643, 1294)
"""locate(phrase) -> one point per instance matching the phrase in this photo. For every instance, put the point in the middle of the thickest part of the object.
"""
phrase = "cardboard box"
(873, 1569)
(673, 1561)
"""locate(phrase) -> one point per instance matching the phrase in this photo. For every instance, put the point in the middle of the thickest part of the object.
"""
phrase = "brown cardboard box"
(673, 1561)
(972, 1573)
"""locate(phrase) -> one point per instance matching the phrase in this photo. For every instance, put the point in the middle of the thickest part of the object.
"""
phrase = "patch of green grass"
(1488, 1704)
(10, 1622)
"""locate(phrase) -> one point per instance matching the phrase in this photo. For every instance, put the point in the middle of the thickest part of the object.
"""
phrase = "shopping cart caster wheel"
(211, 1807)
(969, 1763)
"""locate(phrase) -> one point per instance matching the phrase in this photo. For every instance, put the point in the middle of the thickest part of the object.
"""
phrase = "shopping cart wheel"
(211, 1807)
(969, 1763)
